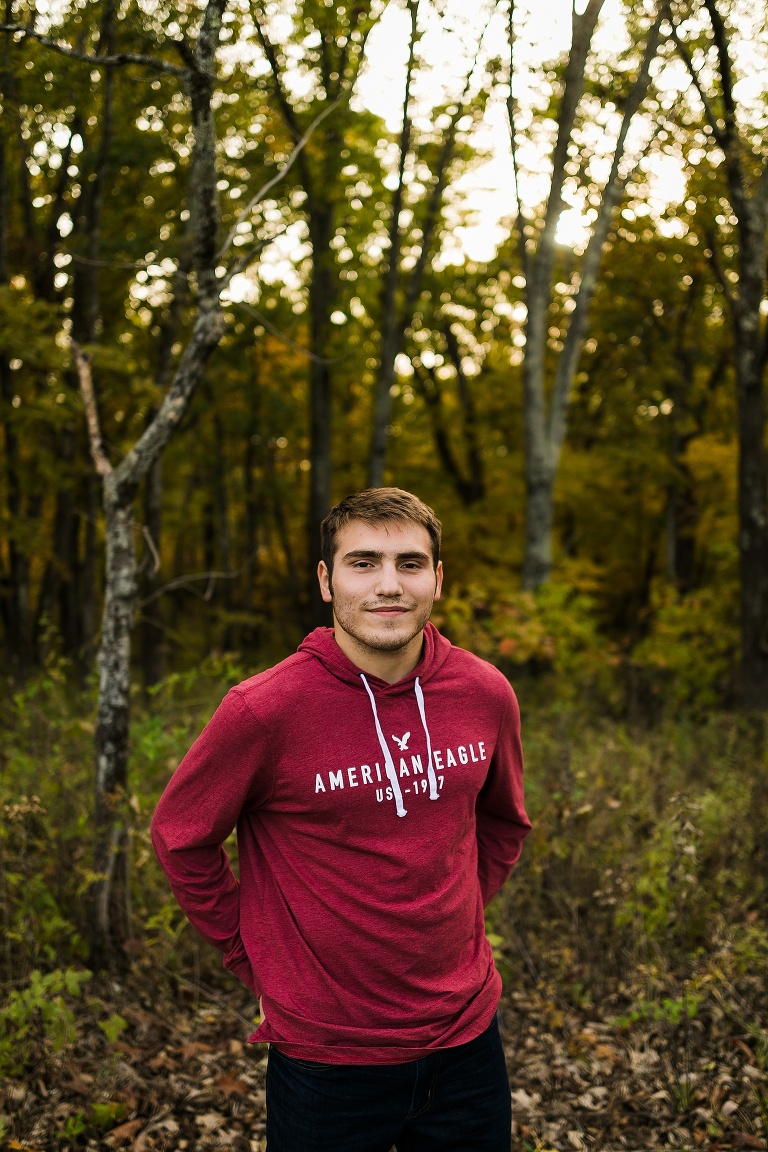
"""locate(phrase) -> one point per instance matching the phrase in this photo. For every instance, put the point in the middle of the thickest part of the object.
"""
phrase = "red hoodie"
(374, 821)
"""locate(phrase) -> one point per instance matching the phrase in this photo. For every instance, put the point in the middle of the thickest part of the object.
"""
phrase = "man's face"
(383, 584)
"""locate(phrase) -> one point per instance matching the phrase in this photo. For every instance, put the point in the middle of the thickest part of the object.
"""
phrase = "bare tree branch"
(287, 339)
(152, 548)
(714, 262)
(706, 103)
(85, 376)
(573, 89)
(614, 186)
(761, 192)
(724, 62)
(520, 221)
(248, 256)
(113, 61)
(268, 48)
(279, 175)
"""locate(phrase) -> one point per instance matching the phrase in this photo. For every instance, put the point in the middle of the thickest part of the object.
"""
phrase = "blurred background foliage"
(647, 789)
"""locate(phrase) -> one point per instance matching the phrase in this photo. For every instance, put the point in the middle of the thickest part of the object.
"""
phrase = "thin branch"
(268, 48)
(706, 104)
(85, 376)
(435, 199)
(760, 197)
(520, 221)
(613, 189)
(185, 582)
(573, 88)
(248, 256)
(152, 548)
(724, 61)
(714, 262)
(287, 340)
(114, 61)
(259, 196)
(130, 265)
(209, 994)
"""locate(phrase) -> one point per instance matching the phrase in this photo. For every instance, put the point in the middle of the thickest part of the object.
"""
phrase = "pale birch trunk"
(546, 404)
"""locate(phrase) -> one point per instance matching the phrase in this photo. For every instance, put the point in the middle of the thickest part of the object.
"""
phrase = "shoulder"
(275, 688)
(480, 676)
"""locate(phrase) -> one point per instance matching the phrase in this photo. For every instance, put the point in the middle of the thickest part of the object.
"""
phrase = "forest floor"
(673, 1074)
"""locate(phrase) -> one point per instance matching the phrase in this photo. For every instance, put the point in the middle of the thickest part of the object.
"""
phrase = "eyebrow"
(372, 554)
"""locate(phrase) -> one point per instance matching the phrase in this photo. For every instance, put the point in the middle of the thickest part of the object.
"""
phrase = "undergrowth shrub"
(38, 1016)
(550, 638)
(46, 800)
(688, 658)
(648, 847)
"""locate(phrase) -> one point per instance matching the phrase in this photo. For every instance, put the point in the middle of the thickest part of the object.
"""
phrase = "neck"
(387, 666)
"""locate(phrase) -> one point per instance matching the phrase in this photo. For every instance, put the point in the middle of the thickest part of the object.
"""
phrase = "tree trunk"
(112, 730)
(395, 322)
(546, 409)
(151, 623)
(88, 604)
(16, 606)
(391, 329)
(470, 482)
(749, 203)
(753, 516)
(322, 292)
(253, 498)
(539, 489)
(109, 922)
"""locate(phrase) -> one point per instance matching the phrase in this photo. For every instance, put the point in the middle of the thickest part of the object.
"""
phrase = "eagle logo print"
(402, 741)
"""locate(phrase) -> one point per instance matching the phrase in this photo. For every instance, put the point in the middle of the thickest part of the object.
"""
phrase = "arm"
(502, 822)
(224, 771)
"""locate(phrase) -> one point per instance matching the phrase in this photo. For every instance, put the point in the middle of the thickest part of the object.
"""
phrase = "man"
(375, 779)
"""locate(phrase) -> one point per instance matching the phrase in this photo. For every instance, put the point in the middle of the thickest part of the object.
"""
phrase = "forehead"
(391, 538)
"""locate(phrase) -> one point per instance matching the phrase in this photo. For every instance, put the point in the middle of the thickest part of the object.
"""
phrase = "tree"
(120, 482)
(333, 43)
(744, 287)
(433, 162)
(548, 378)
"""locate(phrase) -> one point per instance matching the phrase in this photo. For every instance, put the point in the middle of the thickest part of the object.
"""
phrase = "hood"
(322, 644)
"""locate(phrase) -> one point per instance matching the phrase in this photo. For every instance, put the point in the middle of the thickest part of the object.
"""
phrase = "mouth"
(388, 611)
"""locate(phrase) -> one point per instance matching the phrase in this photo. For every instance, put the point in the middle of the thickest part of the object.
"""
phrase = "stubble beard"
(379, 641)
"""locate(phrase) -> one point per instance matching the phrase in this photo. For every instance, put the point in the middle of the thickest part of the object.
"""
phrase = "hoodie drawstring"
(389, 762)
(433, 792)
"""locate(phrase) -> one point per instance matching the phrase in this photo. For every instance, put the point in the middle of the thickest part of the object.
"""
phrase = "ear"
(324, 577)
(438, 579)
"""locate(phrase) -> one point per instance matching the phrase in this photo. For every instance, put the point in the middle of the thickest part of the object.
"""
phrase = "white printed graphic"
(415, 772)
(402, 742)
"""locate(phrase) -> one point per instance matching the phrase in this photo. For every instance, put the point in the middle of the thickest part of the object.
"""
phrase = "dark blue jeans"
(454, 1100)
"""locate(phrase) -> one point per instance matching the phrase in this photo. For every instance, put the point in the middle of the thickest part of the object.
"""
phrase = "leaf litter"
(613, 1079)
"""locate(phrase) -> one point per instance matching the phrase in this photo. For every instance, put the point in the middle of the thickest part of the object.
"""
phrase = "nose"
(389, 584)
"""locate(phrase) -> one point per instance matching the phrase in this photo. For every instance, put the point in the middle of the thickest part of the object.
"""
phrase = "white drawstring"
(388, 761)
(433, 792)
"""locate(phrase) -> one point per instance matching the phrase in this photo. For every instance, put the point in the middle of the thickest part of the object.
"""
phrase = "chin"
(387, 641)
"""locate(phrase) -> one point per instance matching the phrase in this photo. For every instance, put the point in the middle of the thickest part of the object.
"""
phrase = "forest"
(258, 254)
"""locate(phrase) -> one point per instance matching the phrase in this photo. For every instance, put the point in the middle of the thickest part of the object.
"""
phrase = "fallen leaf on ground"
(231, 1085)
(746, 1140)
(124, 1132)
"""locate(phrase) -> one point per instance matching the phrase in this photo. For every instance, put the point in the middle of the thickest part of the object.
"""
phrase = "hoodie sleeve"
(502, 822)
(227, 769)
